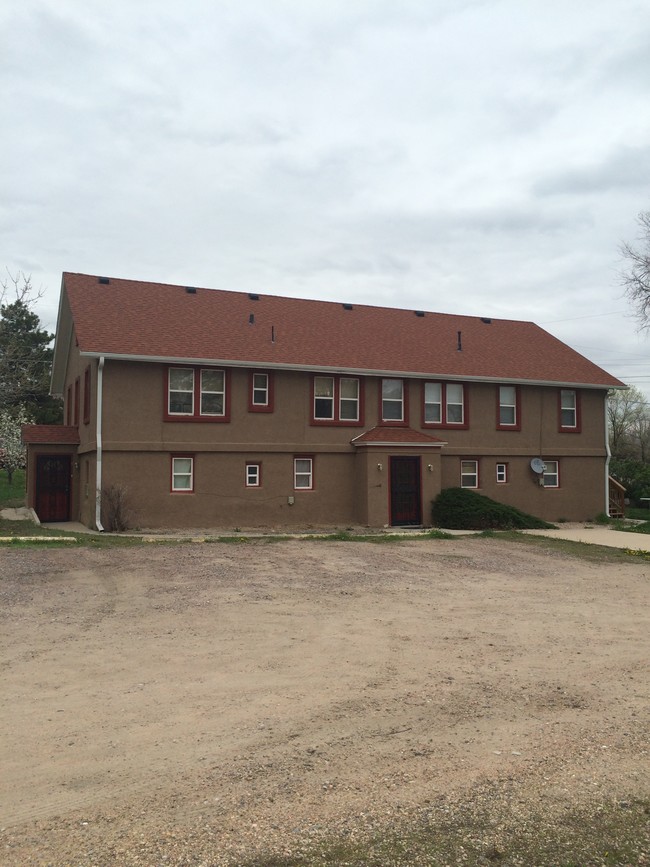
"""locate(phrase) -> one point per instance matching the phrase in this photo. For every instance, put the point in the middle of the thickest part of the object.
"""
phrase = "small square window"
(502, 474)
(469, 474)
(253, 475)
(551, 474)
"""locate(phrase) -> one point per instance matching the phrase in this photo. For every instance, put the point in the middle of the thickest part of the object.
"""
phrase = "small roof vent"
(253, 297)
(419, 312)
(348, 307)
(486, 320)
(103, 280)
(191, 290)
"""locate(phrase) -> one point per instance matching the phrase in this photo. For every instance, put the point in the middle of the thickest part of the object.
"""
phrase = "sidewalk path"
(598, 536)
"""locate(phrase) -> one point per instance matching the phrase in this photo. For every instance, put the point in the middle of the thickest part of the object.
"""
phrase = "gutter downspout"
(98, 480)
(608, 458)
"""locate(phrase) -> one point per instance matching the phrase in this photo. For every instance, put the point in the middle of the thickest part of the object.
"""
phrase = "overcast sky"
(484, 158)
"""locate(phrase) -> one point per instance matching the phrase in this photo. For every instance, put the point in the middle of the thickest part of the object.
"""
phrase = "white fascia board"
(347, 371)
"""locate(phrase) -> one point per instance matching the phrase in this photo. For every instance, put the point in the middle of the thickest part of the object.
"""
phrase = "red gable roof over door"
(115, 317)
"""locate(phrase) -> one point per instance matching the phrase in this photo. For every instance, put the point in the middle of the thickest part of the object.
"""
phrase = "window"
(303, 474)
(552, 474)
(197, 394)
(183, 474)
(253, 475)
(87, 395)
(444, 404)
(392, 400)
(469, 474)
(569, 410)
(502, 474)
(260, 397)
(76, 402)
(336, 400)
(508, 411)
(68, 407)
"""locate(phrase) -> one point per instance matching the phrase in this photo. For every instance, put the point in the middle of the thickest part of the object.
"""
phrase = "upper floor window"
(260, 392)
(444, 404)
(393, 402)
(569, 410)
(76, 402)
(68, 407)
(87, 395)
(508, 410)
(336, 399)
(197, 394)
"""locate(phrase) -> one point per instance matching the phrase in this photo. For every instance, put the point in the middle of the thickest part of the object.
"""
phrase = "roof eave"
(312, 368)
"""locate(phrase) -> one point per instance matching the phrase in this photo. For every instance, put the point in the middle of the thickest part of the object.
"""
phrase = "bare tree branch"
(636, 277)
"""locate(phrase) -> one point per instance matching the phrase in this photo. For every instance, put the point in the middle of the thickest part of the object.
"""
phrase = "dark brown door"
(53, 487)
(405, 495)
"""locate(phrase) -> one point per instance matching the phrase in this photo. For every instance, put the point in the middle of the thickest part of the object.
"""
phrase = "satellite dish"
(537, 465)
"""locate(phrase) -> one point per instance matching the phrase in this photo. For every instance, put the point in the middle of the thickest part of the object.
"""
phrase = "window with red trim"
(551, 474)
(87, 395)
(260, 391)
(444, 404)
(502, 474)
(197, 394)
(336, 400)
(569, 410)
(508, 408)
(76, 402)
(393, 401)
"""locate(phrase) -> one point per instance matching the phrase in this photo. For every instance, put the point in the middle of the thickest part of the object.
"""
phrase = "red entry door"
(53, 487)
(405, 493)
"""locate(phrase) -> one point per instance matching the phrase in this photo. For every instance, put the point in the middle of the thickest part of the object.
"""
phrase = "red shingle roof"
(50, 434)
(396, 436)
(132, 318)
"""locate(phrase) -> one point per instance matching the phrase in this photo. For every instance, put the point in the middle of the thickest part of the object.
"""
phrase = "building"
(231, 409)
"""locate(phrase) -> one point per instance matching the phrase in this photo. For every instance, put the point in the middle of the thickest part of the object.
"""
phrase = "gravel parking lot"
(196, 703)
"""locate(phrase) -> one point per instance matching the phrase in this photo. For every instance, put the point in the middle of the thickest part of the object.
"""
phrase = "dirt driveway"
(162, 703)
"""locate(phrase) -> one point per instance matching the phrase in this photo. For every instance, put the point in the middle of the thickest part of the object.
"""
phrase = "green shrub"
(463, 509)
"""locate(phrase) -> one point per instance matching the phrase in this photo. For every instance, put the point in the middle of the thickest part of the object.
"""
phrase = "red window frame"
(174, 490)
(404, 421)
(196, 415)
(577, 428)
(444, 423)
(257, 464)
(517, 406)
(77, 389)
(336, 398)
(260, 407)
(87, 395)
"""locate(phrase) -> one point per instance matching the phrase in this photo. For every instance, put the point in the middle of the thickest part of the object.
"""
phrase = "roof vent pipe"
(459, 346)
(190, 290)
(252, 296)
(103, 280)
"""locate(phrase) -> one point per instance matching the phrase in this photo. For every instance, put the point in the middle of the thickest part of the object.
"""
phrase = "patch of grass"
(464, 509)
(579, 550)
(12, 496)
(637, 514)
(613, 834)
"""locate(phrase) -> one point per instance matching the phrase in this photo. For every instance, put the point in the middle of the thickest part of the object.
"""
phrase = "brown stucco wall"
(349, 489)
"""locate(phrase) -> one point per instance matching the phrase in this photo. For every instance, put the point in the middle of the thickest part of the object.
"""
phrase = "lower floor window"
(469, 474)
(253, 475)
(303, 473)
(502, 473)
(551, 474)
(183, 474)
